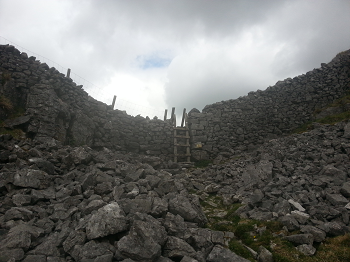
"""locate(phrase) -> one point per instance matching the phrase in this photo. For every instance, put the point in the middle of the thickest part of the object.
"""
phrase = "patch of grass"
(240, 250)
(15, 133)
(5, 77)
(243, 232)
(253, 233)
(331, 119)
(231, 211)
(6, 104)
(202, 163)
(303, 128)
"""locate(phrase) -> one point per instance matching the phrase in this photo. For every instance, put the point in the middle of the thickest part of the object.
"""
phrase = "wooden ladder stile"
(182, 140)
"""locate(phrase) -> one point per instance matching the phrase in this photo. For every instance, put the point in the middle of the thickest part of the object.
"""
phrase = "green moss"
(15, 133)
(240, 250)
(253, 233)
(5, 77)
(333, 119)
(202, 163)
(6, 104)
(231, 212)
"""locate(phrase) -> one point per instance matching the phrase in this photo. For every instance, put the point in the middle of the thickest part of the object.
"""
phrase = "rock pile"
(61, 203)
(301, 180)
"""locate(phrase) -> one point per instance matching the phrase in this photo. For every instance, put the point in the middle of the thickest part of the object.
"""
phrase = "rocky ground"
(61, 203)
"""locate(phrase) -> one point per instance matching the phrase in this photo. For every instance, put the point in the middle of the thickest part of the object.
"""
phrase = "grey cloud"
(98, 39)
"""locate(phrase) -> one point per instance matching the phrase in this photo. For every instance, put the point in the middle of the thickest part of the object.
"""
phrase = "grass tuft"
(202, 163)
(5, 103)
(5, 77)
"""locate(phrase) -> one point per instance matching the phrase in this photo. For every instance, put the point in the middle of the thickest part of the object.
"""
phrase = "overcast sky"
(178, 53)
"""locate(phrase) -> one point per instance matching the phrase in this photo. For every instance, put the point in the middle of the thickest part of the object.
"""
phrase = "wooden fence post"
(183, 117)
(173, 116)
(165, 114)
(68, 72)
(113, 103)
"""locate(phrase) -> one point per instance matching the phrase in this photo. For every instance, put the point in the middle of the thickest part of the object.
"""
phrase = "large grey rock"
(31, 178)
(333, 172)
(200, 239)
(264, 255)
(15, 254)
(93, 250)
(296, 205)
(175, 225)
(335, 228)
(290, 222)
(16, 213)
(187, 207)
(144, 240)
(307, 250)
(18, 121)
(21, 200)
(347, 131)
(301, 217)
(337, 199)
(43, 165)
(256, 197)
(17, 239)
(282, 208)
(300, 239)
(108, 220)
(318, 234)
(35, 258)
(49, 246)
(345, 189)
(178, 248)
(74, 238)
(221, 254)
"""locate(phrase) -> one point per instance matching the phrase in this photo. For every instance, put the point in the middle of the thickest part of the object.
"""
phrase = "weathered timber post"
(68, 72)
(113, 103)
(165, 114)
(183, 117)
(173, 119)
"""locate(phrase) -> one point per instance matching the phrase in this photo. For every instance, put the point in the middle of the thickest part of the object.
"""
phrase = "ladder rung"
(182, 154)
(181, 136)
(181, 128)
(188, 145)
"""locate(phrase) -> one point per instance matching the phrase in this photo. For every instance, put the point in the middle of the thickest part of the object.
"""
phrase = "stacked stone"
(243, 123)
(55, 107)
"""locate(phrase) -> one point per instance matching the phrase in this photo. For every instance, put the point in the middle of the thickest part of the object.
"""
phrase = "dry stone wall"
(229, 127)
(55, 107)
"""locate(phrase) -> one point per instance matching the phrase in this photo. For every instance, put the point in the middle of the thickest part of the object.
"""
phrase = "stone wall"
(229, 127)
(55, 107)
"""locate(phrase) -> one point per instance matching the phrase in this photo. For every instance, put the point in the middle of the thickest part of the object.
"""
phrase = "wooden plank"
(187, 137)
(183, 117)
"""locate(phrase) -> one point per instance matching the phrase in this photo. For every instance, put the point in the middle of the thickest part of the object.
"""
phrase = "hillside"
(92, 199)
